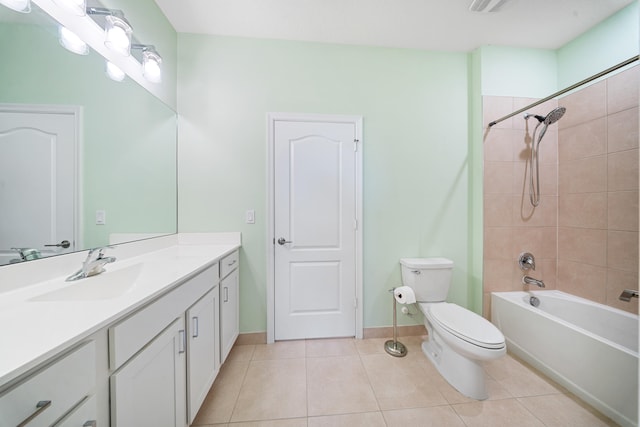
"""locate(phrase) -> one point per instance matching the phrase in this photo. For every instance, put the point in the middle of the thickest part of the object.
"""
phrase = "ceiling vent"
(486, 5)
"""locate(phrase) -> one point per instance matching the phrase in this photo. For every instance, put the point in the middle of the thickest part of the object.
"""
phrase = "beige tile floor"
(347, 382)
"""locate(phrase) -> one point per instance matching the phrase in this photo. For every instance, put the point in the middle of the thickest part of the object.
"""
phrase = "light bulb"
(70, 41)
(114, 72)
(118, 35)
(151, 66)
(23, 6)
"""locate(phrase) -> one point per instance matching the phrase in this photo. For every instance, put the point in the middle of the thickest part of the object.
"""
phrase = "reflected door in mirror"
(37, 181)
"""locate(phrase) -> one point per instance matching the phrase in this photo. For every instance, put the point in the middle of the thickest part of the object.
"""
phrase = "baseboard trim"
(254, 338)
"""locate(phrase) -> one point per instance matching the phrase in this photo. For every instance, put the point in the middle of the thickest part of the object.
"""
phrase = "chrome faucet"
(627, 294)
(26, 254)
(531, 281)
(93, 264)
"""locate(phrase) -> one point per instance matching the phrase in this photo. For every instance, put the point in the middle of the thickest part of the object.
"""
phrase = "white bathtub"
(589, 348)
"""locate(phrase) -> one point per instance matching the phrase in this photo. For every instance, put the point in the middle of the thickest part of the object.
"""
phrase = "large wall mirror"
(120, 170)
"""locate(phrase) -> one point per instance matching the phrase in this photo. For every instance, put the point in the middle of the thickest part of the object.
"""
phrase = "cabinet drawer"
(229, 263)
(62, 384)
(82, 416)
(129, 336)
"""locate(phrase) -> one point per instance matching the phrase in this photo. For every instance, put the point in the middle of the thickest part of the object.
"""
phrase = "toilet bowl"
(458, 340)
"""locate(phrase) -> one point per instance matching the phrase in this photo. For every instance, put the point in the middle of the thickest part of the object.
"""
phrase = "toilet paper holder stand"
(395, 347)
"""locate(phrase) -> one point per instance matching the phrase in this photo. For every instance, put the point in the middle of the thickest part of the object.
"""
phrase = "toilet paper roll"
(404, 295)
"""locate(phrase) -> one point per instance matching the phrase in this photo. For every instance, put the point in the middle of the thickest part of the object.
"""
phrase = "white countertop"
(38, 320)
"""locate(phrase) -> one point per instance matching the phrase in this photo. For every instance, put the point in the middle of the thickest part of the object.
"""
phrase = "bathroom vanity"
(139, 344)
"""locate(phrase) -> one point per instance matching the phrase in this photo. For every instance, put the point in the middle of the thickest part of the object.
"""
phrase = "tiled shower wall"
(584, 233)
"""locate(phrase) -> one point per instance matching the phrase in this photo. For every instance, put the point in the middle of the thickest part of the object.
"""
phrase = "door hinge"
(355, 144)
(355, 224)
(355, 303)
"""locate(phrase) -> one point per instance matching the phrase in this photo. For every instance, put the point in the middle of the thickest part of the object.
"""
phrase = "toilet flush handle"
(415, 271)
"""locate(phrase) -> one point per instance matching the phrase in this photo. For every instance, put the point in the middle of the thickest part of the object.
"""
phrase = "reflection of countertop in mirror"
(41, 319)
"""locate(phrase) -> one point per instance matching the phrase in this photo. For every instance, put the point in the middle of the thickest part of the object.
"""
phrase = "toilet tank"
(429, 278)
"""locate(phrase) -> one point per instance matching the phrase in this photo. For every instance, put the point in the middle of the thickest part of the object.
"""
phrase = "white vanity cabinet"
(150, 389)
(144, 358)
(203, 349)
(229, 303)
(46, 396)
(151, 360)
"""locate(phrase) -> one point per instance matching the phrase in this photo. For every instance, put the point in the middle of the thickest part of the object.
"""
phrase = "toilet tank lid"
(426, 262)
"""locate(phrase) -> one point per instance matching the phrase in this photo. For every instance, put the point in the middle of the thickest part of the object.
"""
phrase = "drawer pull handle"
(182, 344)
(231, 263)
(195, 327)
(41, 406)
(91, 423)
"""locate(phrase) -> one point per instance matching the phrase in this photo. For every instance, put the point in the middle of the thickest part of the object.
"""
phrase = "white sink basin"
(108, 285)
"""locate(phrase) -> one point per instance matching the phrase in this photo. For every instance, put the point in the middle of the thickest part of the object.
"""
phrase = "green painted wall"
(509, 71)
(476, 177)
(537, 73)
(416, 155)
(129, 144)
(611, 42)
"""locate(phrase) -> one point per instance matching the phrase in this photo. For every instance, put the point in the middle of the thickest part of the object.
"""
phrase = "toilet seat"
(466, 325)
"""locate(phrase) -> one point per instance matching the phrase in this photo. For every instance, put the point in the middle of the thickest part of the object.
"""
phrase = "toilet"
(458, 340)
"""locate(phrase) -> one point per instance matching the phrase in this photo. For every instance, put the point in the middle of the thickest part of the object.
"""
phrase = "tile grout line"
(244, 378)
(373, 390)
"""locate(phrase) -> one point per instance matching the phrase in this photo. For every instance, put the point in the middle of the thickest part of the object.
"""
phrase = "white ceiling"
(444, 25)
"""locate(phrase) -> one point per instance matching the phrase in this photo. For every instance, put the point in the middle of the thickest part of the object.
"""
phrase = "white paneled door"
(38, 179)
(315, 201)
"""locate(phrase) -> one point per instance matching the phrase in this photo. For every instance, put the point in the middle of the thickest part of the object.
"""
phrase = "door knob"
(64, 244)
(281, 241)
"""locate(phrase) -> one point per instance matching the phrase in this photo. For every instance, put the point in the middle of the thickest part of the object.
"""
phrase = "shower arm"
(567, 89)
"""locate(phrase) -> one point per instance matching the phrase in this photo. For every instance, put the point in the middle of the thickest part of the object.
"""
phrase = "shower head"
(551, 118)
(555, 115)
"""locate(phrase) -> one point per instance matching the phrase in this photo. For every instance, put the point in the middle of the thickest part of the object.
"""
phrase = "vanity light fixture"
(22, 6)
(77, 7)
(151, 61)
(116, 28)
(70, 41)
(114, 72)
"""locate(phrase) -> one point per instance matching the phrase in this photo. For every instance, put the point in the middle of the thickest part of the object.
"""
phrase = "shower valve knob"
(527, 261)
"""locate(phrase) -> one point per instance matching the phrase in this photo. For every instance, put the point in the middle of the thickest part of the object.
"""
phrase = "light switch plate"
(101, 217)
(250, 216)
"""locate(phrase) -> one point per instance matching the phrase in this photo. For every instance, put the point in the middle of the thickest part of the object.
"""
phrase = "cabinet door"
(229, 313)
(150, 389)
(203, 350)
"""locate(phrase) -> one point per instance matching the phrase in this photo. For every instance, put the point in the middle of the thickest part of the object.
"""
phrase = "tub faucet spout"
(531, 281)
(627, 294)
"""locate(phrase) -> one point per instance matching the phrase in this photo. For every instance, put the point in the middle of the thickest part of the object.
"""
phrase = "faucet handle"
(527, 261)
(100, 250)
